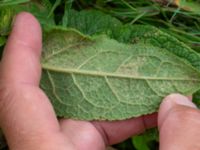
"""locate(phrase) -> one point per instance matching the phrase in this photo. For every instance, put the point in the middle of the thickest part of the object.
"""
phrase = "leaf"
(2, 41)
(140, 143)
(95, 22)
(150, 34)
(6, 15)
(91, 21)
(11, 2)
(98, 78)
(147, 140)
(188, 5)
(68, 5)
(56, 4)
(196, 98)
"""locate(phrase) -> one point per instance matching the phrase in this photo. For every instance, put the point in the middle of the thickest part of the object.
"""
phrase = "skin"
(29, 122)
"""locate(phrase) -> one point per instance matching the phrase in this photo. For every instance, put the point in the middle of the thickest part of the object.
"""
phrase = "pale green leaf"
(99, 78)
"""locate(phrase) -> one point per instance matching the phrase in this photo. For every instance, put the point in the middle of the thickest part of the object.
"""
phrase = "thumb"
(179, 124)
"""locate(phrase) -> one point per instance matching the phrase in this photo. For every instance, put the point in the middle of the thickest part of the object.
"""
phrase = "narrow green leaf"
(68, 5)
(99, 78)
(4, 3)
(57, 2)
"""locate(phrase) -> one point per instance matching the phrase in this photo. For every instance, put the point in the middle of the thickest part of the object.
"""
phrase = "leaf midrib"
(106, 74)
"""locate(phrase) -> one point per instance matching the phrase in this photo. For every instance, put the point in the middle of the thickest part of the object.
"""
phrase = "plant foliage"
(107, 60)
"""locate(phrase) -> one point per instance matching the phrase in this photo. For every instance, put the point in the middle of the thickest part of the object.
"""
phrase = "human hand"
(179, 124)
(26, 115)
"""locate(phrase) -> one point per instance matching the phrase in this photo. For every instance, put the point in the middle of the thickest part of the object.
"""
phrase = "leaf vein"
(54, 89)
(82, 92)
(108, 74)
(153, 89)
(61, 51)
(126, 60)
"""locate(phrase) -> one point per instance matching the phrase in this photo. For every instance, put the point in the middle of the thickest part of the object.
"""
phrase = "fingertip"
(24, 16)
(30, 26)
(170, 102)
(178, 123)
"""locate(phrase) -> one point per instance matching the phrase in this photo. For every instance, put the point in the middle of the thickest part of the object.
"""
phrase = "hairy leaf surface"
(99, 78)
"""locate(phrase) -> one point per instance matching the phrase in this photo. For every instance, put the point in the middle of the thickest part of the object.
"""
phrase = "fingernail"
(171, 101)
(177, 99)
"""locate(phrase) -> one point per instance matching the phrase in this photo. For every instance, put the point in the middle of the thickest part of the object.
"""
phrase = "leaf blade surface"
(98, 78)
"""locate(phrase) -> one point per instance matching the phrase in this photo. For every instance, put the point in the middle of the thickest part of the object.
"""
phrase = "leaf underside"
(98, 78)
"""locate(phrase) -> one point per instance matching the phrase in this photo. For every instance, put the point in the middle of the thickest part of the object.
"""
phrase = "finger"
(179, 124)
(20, 62)
(190, 97)
(117, 131)
(102, 133)
(83, 134)
(26, 115)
